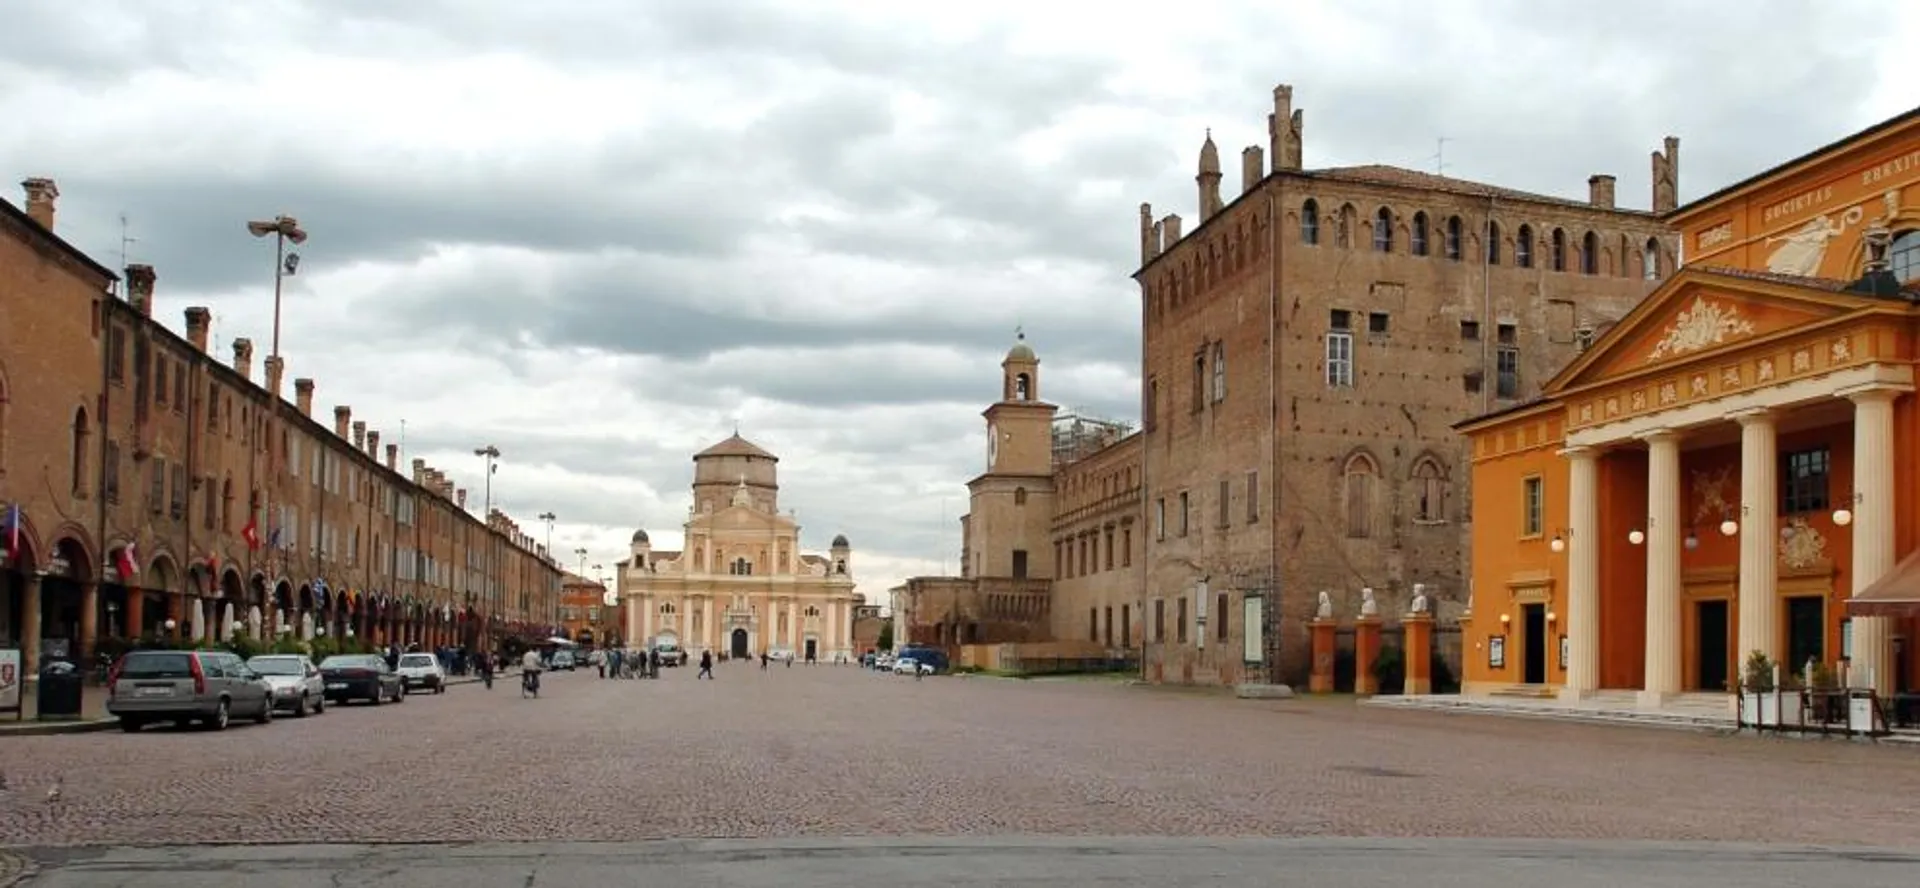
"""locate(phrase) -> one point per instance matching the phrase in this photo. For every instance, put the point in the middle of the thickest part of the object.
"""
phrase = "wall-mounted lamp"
(1636, 536)
(1692, 540)
(1728, 526)
(1559, 541)
(1843, 516)
(1551, 616)
(1505, 619)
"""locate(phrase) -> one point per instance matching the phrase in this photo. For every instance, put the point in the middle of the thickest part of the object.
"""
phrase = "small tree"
(885, 641)
(1758, 674)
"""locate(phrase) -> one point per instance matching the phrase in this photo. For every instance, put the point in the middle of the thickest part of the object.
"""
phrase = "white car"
(293, 681)
(908, 666)
(422, 671)
(779, 655)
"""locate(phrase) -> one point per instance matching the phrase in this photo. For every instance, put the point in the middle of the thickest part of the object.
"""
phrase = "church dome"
(1021, 351)
(840, 541)
(640, 536)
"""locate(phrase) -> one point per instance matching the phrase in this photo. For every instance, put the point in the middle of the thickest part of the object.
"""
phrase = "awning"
(1895, 595)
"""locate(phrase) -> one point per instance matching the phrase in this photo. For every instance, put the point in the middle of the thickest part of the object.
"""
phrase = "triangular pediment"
(734, 518)
(1702, 312)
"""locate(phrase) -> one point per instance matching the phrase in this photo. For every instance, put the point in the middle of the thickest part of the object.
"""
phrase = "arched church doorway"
(738, 649)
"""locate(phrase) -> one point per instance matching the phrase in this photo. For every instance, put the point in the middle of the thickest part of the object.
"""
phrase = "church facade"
(740, 586)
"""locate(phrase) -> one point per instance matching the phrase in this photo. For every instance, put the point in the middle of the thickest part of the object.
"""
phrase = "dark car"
(926, 656)
(361, 677)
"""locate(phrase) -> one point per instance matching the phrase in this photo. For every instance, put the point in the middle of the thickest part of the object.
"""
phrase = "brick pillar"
(89, 622)
(1366, 646)
(1321, 682)
(136, 610)
(177, 612)
(1417, 653)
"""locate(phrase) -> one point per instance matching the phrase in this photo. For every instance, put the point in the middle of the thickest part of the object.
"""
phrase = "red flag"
(251, 533)
(129, 563)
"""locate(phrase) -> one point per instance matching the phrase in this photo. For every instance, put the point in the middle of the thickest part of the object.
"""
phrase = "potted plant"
(1756, 685)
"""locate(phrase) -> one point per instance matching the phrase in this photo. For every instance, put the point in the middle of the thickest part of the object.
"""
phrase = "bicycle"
(529, 684)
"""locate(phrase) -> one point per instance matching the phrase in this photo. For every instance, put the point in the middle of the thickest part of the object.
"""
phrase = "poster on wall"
(1253, 645)
(9, 681)
(1497, 651)
(1563, 652)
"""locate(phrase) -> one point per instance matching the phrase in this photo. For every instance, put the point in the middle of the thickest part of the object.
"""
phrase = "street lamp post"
(283, 228)
(582, 552)
(549, 517)
(488, 453)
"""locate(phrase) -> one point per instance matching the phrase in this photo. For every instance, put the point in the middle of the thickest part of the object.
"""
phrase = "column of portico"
(1759, 506)
(1663, 568)
(1873, 482)
(1583, 575)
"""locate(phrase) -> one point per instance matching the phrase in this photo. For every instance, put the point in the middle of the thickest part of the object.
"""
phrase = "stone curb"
(15, 868)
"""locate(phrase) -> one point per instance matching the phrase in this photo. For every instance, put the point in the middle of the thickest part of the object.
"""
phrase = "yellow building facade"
(741, 586)
(1732, 469)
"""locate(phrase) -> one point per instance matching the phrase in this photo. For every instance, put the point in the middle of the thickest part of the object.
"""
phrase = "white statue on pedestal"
(1368, 607)
(1326, 607)
(1420, 603)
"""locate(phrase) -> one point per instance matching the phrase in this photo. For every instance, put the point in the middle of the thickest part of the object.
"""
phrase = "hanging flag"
(13, 533)
(251, 533)
(273, 539)
(128, 564)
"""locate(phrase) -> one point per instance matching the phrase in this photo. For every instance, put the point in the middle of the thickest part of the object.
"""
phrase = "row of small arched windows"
(1452, 236)
(1360, 490)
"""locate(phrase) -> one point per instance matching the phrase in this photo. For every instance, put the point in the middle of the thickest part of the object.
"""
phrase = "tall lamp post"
(283, 228)
(582, 552)
(488, 453)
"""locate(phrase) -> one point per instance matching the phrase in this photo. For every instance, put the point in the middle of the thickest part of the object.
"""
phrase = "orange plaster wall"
(1733, 231)
(1500, 552)
(1623, 570)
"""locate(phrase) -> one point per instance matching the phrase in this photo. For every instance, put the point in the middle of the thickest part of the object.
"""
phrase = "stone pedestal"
(1366, 646)
(1417, 652)
(1321, 682)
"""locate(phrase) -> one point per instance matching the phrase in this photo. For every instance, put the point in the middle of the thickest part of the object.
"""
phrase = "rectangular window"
(1199, 380)
(1093, 624)
(1220, 617)
(1533, 507)
(1109, 553)
(157, 486)
(1804, 477)
(1470, 331)
(1185, 511)
(1253, 496)
(1126, 550)
(1226, 501)
(1180, 619)
(1377, 323)
(1160, 620)
(1339, 360)
(1219, 372)
(1019, 564)
(116, 353)
(1506, 365)
(1160, 519)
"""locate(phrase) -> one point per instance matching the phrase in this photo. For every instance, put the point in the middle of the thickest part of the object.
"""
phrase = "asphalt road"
(908, 863)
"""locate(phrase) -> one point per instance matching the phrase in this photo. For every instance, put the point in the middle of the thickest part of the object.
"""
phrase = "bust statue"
(1420, 603)
(1326, 607)
(1368, 607)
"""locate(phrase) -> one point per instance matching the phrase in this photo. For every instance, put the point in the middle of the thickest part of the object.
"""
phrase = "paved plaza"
(824, 752)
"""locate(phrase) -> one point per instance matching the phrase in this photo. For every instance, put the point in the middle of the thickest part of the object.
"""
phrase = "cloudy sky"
(598, 233)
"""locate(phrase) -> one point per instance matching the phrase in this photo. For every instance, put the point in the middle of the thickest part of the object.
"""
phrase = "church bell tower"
(1012, 501)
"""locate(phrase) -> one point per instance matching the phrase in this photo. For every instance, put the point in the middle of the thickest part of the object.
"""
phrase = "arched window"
(1383, 230)
(1343, 235)
(1650, 260)
(1453, 238)
(1590, 254)
(840, 567)
(1523, 247)
(1310, 222)
(1023, 387)
(1493, 242)
(666, 608)
(1418, 236)
(77, 467)
(1903, 258)
(741, 567)
(1359, 479)
(1429, 491)
(1019, 496)
(812, 611)
(1219, 372)
(1559, 247)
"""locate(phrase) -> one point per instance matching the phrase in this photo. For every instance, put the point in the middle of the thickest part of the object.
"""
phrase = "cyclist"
(530, 667)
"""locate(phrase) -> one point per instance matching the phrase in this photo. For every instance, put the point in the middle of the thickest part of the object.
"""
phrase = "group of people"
(626, 663)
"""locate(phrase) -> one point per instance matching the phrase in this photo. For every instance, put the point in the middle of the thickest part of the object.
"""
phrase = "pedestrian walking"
(706, 665)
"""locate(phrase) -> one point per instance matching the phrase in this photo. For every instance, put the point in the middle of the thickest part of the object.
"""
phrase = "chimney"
(1169, 231)
(393, 457)
(41, 194)
(303, 395)
(1666, 177)
(140, 288)
(342, 418)
(1253, 167)
(243, 357)
(1149, 236)
(199, 321)
(460, 497)
(1600, 191)
(419, 470)
(276, 368)
(1284, 130)
(373, 443)
(360, 434)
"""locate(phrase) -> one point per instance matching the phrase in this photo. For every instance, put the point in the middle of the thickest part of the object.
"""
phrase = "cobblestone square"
(837, 751)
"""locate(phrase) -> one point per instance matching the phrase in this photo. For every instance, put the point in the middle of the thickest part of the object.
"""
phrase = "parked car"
(422, 671)
(361, 677)
(293, 681)
(780, 655)
(207, 687)
(562, 660)
(925, 656)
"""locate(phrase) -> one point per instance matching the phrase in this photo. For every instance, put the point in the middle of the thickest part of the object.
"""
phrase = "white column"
(1583, 574)
(1663, 568)
(1872, 507)
(1759, 567)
